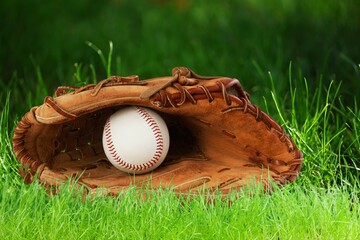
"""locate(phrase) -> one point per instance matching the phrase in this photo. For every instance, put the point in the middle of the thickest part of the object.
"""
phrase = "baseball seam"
(158, 138)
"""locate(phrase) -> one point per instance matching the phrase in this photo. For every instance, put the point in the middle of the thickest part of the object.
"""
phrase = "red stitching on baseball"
(158, 138)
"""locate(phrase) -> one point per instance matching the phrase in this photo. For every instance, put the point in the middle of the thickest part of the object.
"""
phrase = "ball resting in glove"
(220, 141)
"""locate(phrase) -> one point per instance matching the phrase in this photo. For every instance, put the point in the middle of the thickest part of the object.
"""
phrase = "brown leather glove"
(218, 139)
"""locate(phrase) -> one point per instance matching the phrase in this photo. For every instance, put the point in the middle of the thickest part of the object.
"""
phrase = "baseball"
(136, 139)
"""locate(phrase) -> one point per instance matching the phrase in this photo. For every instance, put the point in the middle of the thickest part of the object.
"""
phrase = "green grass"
(299, 60)
(292, 213)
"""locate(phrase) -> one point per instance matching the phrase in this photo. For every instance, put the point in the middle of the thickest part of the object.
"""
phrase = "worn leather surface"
(219, 140)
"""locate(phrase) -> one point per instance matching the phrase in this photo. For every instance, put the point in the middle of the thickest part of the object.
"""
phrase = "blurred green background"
(40, 41)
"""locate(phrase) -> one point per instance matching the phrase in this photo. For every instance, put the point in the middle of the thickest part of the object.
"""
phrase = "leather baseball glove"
(219, 140)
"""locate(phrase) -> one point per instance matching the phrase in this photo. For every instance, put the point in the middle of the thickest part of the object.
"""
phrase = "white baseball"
(136, 139)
